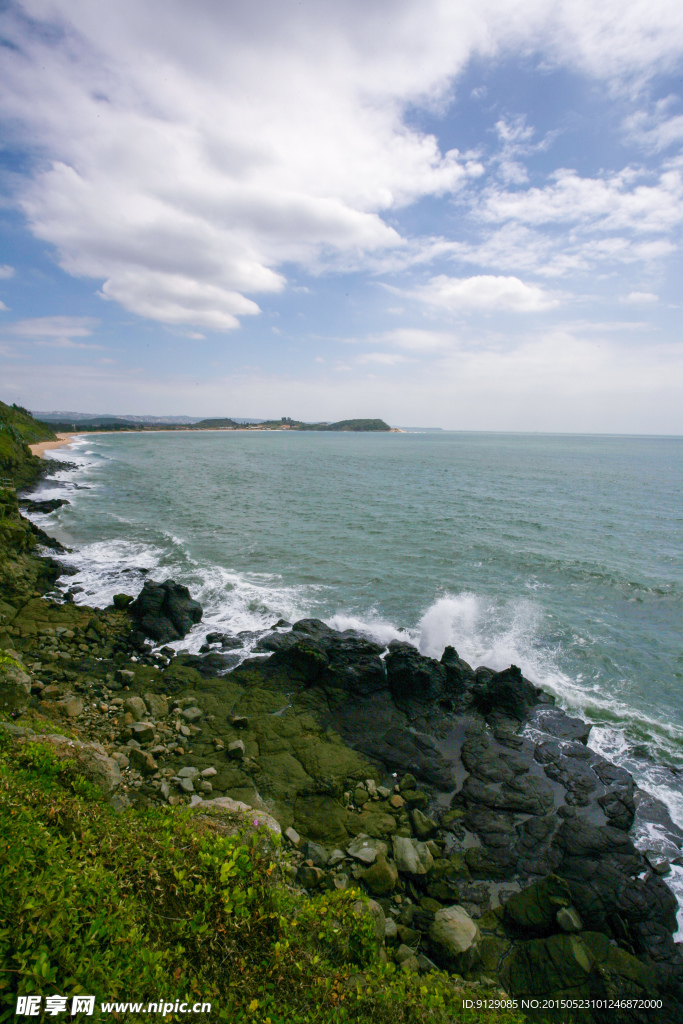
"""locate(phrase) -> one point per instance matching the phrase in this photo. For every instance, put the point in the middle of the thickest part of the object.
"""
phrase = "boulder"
(373, 822)
(309, 877)
(136, 707)
(423, 826)
(559, 724)
(142, 761)
(365, 849)
(192, 715)
(72, 706)
(157, 705)
(225, 805)
(94, 762)
(316, 853)
(382, 877)
(142, 732)
(453, 934)
(165, 611)
(411, 856)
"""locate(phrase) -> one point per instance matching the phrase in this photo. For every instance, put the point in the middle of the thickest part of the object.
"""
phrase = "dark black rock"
(459, 678)
(316, 853)
(209, 665)
(557, 723)
(165, 611)
(507, 692)
(326, 657)
(47, 541)
(413, 677)
(44, 506)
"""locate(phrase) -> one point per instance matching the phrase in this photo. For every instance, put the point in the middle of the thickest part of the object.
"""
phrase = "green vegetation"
(18, 430)
(167, 904)
(354, 425)
(219, 424)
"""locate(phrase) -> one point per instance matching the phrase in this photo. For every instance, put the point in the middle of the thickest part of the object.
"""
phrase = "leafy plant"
(145, 904)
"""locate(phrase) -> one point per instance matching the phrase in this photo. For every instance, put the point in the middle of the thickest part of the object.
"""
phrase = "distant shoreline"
(66, 439)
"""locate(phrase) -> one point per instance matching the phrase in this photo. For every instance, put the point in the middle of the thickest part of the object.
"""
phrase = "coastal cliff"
(18, 430)
(493, 842)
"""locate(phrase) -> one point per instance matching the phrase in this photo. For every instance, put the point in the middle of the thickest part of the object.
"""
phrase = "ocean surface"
(560, 554)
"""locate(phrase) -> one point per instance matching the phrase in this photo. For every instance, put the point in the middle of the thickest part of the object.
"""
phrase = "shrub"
(154, 905)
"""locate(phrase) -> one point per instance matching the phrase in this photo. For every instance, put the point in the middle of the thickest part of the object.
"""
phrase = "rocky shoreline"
(472, 810)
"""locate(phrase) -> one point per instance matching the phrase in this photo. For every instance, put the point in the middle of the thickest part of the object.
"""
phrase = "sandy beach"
(44, 446)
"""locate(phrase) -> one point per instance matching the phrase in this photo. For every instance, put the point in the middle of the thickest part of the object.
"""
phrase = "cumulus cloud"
(6, 272)
(618, 202)
(185, 160)
(484, 292)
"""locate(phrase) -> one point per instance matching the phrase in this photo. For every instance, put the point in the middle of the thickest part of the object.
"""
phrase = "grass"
(164, 905)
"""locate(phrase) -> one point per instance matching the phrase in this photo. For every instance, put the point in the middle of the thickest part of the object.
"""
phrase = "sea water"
(557, 553)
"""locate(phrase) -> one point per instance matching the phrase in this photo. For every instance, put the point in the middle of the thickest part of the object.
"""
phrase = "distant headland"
(76, 422)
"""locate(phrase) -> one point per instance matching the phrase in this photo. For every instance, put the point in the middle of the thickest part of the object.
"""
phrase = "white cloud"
(54, 331)
(413, 339)
(178, 299)
(186, 157)
(640, 299)
(656, 130)
(614, 203)
(484, 292)
(6, 272)
(54, 327)
(382, 358)
(3, 307)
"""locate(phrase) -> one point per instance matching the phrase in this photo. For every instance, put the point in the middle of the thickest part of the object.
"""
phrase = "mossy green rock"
(490, 952)
(483, 865)
(382, 877)
(574, 966)
(534, 909)
(375, 823)
(322, 819)
(15, 686)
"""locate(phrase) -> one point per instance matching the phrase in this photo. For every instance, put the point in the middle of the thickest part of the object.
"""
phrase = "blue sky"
(441, 213)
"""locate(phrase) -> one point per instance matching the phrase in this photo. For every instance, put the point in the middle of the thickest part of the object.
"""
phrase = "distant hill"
(88, 417)
(216, 424)
(355, 425)
(75, 421)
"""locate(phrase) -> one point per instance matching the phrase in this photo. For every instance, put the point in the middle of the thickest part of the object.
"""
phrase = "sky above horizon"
(439, 213)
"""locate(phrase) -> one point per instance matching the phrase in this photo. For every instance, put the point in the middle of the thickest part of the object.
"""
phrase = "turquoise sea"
(561, 554)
